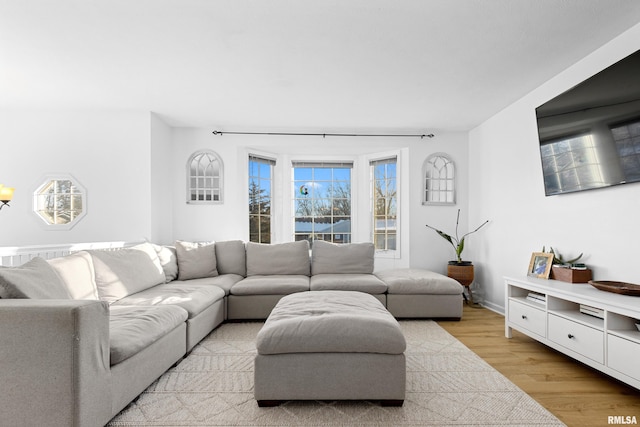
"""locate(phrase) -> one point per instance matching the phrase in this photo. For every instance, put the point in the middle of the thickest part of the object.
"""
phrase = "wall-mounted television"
(590, 135)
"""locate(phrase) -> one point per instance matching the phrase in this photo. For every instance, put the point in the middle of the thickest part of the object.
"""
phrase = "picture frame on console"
(540, 265)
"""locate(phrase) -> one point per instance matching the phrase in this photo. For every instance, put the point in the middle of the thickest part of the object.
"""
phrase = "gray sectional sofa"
(82, 335)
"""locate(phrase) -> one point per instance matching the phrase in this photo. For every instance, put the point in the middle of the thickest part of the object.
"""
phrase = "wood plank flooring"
(577, 394)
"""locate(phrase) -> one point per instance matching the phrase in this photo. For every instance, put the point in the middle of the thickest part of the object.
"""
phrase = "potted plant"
(568, 270)
(460, 270)
(457, 242)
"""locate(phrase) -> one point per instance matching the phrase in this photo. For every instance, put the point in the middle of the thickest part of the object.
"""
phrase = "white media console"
(553, 312)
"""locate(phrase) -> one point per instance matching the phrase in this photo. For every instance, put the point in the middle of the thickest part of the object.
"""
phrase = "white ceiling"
(285, 65)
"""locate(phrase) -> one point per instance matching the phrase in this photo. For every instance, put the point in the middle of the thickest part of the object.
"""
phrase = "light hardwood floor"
(577, 394)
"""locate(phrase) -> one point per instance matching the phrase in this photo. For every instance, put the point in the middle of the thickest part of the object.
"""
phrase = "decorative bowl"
(616, 287)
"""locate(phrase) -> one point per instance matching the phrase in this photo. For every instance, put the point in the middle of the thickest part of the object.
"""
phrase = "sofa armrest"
(54, 362)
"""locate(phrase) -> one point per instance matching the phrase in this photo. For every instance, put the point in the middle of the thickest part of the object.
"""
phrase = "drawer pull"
(570, 336)
(524, 317)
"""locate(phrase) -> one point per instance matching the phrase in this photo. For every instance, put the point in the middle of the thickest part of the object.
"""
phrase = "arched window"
(204, 178)
(439, 180)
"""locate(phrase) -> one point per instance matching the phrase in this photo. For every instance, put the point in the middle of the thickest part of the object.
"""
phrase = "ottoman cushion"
(367, 283)
(412, 281)
(330, 321)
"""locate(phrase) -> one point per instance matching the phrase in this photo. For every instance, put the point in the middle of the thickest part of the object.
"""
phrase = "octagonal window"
(60, 202)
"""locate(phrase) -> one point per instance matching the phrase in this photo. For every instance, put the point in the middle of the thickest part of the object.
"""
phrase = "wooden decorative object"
(570, 275)
(616, 287)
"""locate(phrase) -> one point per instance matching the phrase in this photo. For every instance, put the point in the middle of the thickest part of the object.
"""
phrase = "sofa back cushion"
(196, 260)
(350, 258)
(78, 275)
(281, 258)
(123, 272)
(35, 279)
(231, 257)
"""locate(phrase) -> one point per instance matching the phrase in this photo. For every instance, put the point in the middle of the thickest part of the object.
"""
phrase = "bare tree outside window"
(385, 204)
(260, 190)
(322, 201)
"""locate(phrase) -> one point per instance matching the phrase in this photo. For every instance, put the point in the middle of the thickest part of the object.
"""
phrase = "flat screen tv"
(590, 135)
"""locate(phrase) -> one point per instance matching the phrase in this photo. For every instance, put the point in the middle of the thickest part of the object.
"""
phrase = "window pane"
(322, 202)
(260, 188)
(342, 174)
(302, 174)
(385, 200)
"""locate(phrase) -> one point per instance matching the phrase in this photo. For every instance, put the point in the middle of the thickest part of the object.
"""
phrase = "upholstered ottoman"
(413, 292)
(330, 345)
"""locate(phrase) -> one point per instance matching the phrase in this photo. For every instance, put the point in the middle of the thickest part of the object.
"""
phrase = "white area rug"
(447, 384)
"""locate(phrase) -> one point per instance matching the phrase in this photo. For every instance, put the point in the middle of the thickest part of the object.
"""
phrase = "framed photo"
(540, 265)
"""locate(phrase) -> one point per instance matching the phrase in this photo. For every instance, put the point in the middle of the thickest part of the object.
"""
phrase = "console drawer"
(622, 355)
(577, 337)
(527, 317)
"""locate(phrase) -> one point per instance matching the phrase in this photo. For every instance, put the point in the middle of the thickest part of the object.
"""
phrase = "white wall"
(161, 182)
(106, 151)
(229, 220)
(428, 250)
(506, 187)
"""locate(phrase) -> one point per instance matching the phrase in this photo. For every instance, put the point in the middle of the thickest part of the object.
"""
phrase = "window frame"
(325, 163)
(220, 177)
(45, 181)
(282, 208)
(272, 164)
(372, 163)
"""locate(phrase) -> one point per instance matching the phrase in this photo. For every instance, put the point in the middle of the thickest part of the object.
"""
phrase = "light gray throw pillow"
(281, 258)
(123, 272)
(231, 257)
(168, 260)
(78, 275)
(353, 258)
(196, 260)
(35, 279)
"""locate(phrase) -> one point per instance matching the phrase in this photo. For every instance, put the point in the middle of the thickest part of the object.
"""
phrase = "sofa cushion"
(35, 279)
(274, 284)
(367, 283)
(330, 321)
(134, 328)
(354, 258)
(281, 258)
(196, 260)
(231, 257)
(126, 271)
(415, 281)
(77, 273)
(195, 298)
(223, 281)
(168, 260)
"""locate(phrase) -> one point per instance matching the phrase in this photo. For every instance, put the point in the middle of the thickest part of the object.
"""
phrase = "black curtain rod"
(324, 135)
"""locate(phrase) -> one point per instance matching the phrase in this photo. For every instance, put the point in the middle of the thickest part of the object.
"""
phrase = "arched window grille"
(439, 180)
(204, 178)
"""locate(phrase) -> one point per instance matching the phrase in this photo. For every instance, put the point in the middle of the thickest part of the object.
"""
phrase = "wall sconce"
(6, 194)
